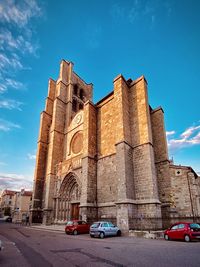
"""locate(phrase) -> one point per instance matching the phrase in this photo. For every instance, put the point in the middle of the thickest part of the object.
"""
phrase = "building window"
(74, 105)
(80, 106)
(75, 89)
(77, 143)
(81, 94)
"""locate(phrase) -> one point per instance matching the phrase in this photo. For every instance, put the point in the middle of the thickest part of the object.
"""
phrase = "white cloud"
(10, 104)
(170, 133)
(6, 126)
(3, 88)
(31, 156)
(10, 63)
(14, 181)
(19, 12)
(196, 139)
(17, 39)
(188, 132)
(19, 43)
(14, 84)
(8, 83)
(190, 137)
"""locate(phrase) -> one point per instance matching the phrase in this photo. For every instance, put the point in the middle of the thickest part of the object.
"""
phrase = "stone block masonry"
(109, 160)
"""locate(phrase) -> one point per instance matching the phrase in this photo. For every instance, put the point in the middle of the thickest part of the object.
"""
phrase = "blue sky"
(157, 39)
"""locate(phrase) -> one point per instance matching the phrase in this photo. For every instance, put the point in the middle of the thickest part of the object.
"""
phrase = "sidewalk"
(132, 233)
(53, 227)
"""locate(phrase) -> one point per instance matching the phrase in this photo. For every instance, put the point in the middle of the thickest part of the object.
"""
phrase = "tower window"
(81, 94)
(80, 106)
(75, 89)
(74, 105)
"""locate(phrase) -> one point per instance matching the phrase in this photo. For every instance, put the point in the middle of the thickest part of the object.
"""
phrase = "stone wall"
(159, 135)
(145, 176)
(106, 127)
(116, 152)
(107, 212)
(185, 192)
(106, 180)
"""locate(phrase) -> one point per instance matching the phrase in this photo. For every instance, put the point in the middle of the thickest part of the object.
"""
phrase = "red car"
(183, 230)
(76, 227)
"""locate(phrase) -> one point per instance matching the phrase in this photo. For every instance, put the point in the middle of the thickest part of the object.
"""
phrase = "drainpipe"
(192, 208)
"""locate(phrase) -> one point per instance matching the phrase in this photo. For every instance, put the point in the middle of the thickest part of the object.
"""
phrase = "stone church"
(109, 160)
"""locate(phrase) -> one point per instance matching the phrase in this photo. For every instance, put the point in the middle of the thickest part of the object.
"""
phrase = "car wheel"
(101, 235)
(119, 233)
(187, 238)
(66, 232)
(166, 237)
(91, 236)
(75, 232)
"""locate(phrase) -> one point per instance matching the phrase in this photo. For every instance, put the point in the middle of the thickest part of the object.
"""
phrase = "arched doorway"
(68, 200)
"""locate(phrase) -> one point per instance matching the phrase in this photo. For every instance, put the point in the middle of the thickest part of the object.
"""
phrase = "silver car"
(102, 229)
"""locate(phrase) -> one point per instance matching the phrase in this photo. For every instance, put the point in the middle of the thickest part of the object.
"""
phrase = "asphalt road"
(25, 247)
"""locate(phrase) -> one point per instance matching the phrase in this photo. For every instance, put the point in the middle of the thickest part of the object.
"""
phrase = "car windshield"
(95, 225)
(69, 223)
(194, 226)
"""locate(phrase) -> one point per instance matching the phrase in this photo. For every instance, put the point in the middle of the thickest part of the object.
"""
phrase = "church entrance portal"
(75, 211)
(68, 199)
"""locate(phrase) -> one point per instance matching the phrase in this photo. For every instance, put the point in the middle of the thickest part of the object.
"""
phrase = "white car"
(6, 219)
(102, 229)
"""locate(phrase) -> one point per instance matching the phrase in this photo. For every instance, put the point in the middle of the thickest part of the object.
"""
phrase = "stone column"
(40, 168)
(162, 162)
(56, 215)
(65, 206)
(88, 210)
(124, 161)
(145, 177)
(56, 138)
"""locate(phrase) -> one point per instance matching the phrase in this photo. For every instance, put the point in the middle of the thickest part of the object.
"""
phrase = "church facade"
(109, 160)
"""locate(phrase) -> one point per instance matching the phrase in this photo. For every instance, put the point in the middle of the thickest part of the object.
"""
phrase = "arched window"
(81, 94)
(75, 89)
(74, 105)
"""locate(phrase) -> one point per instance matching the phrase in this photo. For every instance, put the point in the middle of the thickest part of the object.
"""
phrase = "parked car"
(6, 219)
(0, 245)
(102, 229)
(183, 230)
(76, 227)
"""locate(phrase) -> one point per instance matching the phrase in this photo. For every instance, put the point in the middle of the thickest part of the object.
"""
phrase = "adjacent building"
(7, 202)
(16, 204)
(22, 205)
(109, 160)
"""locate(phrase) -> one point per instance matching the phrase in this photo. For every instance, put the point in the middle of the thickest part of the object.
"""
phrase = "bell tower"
(66, 97)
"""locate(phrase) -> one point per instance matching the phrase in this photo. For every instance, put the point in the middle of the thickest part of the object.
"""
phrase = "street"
(26, 246)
